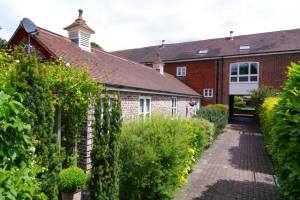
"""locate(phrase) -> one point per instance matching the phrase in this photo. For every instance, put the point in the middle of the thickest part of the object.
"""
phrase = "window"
(244, 47)
(181, 71)
(244, 72)
(144, 107)
(174, 106)
(203, 51)
(208, 93)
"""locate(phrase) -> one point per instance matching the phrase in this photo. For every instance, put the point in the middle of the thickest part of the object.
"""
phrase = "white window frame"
(174, 108)
(208, 92)
(144, 114)
(181, 71)
(249, 75)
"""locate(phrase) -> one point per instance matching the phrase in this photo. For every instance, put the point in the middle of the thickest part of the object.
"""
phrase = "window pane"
(141, 105)
(234, 69)
(253, 78)
(243, 79)
(254, 68)
(244, 68)
(233, 79)
(147, 105)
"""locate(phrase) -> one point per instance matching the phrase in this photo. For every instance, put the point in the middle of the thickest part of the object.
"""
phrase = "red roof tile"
(111, 69)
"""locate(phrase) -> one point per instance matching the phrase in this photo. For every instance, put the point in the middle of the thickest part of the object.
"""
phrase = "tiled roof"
(269, 42)
(111, 69)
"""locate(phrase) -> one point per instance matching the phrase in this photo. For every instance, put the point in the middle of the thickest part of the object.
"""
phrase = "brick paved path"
(235, 167)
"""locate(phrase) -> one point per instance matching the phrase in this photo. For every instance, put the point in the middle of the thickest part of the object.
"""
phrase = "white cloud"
(121, 24)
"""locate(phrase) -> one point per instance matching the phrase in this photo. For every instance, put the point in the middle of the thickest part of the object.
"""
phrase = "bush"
(239, 102)
(157, 155)
(72, 179)
(258, 96)
(282, 127)
(266, 116)
(217, 114)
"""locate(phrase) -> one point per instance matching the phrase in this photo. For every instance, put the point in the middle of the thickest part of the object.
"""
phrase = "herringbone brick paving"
(235, 167)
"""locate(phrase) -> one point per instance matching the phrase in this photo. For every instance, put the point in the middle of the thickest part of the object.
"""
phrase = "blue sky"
(123, 24)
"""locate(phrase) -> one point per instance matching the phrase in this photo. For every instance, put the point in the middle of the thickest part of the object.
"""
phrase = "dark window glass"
(233, 79)
(253, 78)
(244, 68)
(234, 69)
(254, 69)
(243, 79)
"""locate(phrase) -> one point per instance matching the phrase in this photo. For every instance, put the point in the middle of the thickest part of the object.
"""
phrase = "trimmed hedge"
(281, 127)
(217, 114)
(158, 153)
(72, 179)
(266, 117)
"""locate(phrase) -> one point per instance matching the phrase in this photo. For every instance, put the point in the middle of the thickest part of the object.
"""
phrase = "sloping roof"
(111, 69)
(269, 42)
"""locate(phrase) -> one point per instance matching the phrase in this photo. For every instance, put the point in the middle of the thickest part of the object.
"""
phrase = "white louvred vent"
(84, 39)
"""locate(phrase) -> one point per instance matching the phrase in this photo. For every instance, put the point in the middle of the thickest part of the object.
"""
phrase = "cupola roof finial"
(80, 13)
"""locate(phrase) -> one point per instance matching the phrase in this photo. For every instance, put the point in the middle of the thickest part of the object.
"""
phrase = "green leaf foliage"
(29, 78)
(281, 125)
(72, 179)
(217, 114)
(104, 182)
(157, 154)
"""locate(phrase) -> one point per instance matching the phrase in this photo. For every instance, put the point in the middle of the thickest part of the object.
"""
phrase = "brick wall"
(130, 108)
(200, 75)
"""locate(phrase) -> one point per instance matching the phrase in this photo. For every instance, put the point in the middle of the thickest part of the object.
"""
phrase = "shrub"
(72, 179)
(18, 169)
(266, 116)
(258, 96)
(239, 102)
(157, 155)
(286, 135)
(217, 114)
(104, 181)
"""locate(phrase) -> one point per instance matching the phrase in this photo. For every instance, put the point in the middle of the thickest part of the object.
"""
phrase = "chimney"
(158, 64)
(231, 35)
(162, 44)
(80, 33)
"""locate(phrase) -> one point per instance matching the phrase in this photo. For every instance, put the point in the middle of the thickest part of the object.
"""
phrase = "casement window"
(144, 107)
(174, 106)
(244, 72)
(208, 92)
(181, 71)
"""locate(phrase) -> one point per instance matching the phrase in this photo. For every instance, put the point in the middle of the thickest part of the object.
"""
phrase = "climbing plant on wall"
(104, 181)
(74, 91)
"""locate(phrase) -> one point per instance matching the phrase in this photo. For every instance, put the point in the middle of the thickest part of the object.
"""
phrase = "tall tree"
(3, 43)
(30, 80)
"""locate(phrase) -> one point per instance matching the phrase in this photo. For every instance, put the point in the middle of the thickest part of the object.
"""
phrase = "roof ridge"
(217, 38)
(122, 58)
(55, 34)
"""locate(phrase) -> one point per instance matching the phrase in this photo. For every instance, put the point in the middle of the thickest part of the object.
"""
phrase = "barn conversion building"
(222, 68)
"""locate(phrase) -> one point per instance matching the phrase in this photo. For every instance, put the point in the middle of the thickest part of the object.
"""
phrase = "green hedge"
(217, 114)
(266, 117)
(281, 127)
(158, 153)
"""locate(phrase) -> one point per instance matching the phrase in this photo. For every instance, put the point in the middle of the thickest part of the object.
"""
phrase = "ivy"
(104, 181)
(74, 91)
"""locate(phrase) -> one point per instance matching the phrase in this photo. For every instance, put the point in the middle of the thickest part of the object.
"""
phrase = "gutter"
(121, 88)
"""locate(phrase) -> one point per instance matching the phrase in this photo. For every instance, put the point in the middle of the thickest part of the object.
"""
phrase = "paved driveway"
(235, 167)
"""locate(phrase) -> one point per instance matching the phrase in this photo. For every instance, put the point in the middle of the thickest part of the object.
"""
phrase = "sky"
(125, 24)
